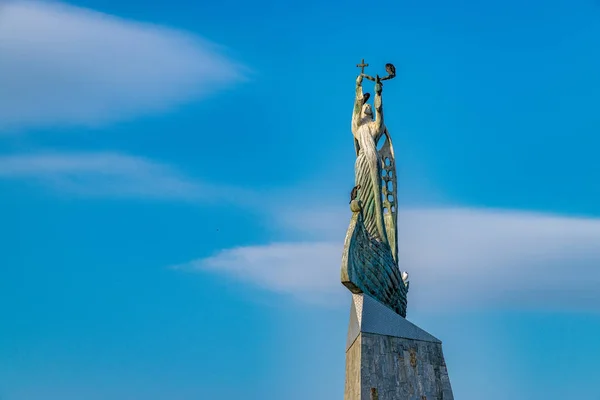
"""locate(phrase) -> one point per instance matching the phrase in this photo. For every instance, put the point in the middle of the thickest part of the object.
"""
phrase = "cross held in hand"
(362, 66)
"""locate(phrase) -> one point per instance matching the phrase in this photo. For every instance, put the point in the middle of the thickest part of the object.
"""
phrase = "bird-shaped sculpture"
(405, 276)
(390, 69)
(405, 280)
(354, 193)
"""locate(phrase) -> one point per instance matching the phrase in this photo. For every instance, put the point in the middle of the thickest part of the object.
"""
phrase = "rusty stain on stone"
(413, 358)
(374, 394)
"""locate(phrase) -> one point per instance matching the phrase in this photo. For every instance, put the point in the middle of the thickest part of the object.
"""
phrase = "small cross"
(362, 66)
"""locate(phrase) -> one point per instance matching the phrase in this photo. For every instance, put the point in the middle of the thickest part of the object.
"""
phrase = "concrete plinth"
(386, 352)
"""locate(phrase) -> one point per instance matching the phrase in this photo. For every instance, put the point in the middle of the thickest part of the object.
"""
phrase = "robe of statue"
(369, 262)
(368, 168)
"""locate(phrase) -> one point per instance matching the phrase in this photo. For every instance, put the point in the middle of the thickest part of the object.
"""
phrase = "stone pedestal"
(387, 353)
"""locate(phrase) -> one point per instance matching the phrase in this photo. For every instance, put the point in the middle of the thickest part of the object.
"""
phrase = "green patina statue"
(370, 258)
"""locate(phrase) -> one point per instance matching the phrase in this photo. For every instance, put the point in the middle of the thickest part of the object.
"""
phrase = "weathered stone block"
(386, 352)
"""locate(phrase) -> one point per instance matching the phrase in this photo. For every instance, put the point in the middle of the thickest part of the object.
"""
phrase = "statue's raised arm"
(378, 106)
(358, 103)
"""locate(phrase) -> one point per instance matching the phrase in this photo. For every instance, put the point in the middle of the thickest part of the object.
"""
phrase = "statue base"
(389, 358)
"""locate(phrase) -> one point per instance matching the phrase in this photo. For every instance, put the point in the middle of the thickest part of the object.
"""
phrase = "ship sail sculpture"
(370, 256)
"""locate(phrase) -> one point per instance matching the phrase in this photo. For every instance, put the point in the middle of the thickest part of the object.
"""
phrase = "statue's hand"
(359, 79)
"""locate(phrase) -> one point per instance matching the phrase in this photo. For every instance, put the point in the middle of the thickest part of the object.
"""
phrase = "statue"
(370, 257)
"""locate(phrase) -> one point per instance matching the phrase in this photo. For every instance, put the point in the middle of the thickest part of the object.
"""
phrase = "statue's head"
(367, 112)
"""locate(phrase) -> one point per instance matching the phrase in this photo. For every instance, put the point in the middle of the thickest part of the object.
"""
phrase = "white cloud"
(66, 65)
(457, 258)
(105, 175)
(302, 269)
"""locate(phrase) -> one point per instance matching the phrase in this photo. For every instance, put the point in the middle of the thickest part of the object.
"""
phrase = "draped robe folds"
(367, 174)
(369, 262)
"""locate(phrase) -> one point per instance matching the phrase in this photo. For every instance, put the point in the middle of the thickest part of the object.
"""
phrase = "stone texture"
(400, 360)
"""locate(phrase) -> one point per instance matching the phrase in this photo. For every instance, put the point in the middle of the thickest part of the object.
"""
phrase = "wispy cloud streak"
(458, 259)
(105, 175)
(67, 65)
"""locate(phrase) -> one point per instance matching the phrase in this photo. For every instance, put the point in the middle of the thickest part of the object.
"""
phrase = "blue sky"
(174, 180)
